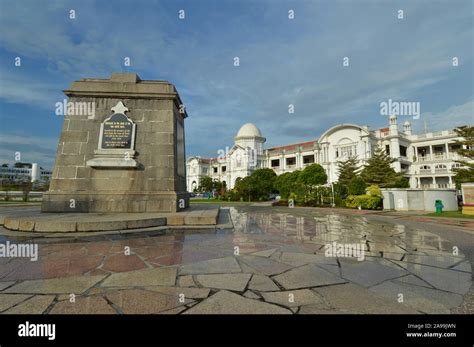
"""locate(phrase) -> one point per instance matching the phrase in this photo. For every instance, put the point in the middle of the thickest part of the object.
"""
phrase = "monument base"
(114, 201)
(36, 221)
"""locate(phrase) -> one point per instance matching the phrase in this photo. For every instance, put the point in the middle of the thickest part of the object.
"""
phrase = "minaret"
(407, 128)
(394, 142)
(393, 125)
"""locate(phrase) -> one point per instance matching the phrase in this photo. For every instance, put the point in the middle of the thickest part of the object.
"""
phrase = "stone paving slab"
(358, 299)
(262, 283)
(190, 293)
(307, 276)
(292, 298)
(298, 259)
(235, 282)
(4, 285)
(65, 285)
(9, 300)
(35, 305)
(222, 265)
(138, 301)
(369, 273)
(264, 266)
(83, 305)
(225, 302)
(448, 280)
(165, 276)
(422, 299)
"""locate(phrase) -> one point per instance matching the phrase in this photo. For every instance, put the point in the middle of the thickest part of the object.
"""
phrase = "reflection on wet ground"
(281, 249)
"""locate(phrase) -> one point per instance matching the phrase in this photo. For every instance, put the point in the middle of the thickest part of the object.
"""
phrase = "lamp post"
(332, 190)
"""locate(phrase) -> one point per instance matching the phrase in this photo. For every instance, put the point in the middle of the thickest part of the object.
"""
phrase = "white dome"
(249, 130)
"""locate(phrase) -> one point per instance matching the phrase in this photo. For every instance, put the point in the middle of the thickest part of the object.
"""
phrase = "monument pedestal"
(128, 156)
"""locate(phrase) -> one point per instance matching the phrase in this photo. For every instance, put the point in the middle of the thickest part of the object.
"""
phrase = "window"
(345, 151)
(223, 169)
(291, 161)
(387, 149)
(403, 151)
(214, 169)
(275, 162)
(308, 159)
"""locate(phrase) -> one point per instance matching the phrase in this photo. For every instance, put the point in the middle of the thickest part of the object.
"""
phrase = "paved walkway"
(273, 261)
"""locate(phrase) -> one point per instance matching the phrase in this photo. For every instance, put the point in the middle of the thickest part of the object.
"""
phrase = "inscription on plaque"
(117, 132)
(116, 147)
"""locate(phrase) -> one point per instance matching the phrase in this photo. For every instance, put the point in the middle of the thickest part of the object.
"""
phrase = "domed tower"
(250, 136)
(407, 128)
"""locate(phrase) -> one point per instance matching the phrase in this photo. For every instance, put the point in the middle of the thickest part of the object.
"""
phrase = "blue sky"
(282, 62)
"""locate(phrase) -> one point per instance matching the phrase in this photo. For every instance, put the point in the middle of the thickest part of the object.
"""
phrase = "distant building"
(427, 160)
(26, 172)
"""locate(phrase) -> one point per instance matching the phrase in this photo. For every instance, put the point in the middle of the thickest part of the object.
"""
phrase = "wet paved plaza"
(273, 261)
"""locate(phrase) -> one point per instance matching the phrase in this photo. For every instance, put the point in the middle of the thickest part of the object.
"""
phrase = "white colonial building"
(426, 159)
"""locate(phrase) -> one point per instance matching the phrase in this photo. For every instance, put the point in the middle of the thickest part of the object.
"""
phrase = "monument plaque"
(117, 132)
(130, 157)
(116, 141)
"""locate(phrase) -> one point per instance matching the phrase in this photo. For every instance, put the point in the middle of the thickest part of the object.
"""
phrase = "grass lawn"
(451, 214)
(219, 202)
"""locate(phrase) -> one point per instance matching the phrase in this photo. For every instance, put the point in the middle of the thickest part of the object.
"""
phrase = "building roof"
(307, 143)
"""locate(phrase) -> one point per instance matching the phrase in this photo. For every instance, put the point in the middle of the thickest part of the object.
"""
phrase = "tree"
(263, 183)
(356, 186)
(244, 187)
(206, 184)
(348, 169)
(465, 173)
(220, 187)
(257, 186)
(287, 183)
(312, 176)
(379, 171)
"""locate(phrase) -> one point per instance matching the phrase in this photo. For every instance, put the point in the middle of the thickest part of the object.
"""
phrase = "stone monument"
(128, 155)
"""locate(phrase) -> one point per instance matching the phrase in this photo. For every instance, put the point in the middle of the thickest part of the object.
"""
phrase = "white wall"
(401, 199)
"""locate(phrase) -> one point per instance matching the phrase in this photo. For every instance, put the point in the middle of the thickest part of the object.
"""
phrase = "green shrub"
(367, 202)
(356, 186)
(374, 190)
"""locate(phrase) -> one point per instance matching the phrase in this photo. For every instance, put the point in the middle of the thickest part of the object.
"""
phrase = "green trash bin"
(439, 206)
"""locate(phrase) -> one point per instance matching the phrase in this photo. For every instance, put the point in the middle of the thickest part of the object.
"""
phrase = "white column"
(447, 150)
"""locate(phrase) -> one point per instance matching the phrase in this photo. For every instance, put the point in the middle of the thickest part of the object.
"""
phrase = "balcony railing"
(438, 156)
(438, 185)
